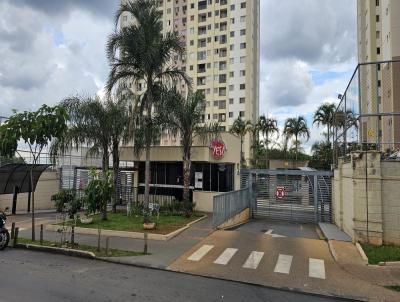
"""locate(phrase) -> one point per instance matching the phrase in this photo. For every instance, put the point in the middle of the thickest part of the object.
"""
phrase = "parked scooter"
(4, 234)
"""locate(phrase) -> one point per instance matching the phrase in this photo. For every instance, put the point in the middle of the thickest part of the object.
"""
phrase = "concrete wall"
(204, 201)
(238, 219)
(366, 198)
(49, 184)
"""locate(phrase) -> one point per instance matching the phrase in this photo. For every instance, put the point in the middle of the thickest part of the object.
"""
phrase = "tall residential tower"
(379, 40)
(222, 57)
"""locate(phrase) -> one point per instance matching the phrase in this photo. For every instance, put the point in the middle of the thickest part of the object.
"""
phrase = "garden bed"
(380, 254)
(82, 247)
(120, 225)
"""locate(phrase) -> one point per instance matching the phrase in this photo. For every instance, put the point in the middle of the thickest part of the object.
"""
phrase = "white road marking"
(277, 236)
(254, 260)
(200, 253)
(316, 268)
(283, 264)
(226, 256)
(269, 232)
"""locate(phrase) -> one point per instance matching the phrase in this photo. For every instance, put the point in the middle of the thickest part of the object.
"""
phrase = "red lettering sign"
(218, 149)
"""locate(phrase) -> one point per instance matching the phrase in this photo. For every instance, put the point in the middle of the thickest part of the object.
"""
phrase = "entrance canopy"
(14, 176)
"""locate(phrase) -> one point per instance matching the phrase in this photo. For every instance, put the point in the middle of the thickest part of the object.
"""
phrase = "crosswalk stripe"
(200, 253)
(254, 260)
(283, 264)
(277, 236)
(316, 268)
(269, 232)
(226, 256)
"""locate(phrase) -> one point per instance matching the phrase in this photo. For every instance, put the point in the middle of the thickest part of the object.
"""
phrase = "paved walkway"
(298, 263)
(161, 253)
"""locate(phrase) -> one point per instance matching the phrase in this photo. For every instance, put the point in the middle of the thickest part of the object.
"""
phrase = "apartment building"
(222, 56)
(379, 40)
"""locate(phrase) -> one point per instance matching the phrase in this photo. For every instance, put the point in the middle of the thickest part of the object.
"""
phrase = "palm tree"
(240, 128)
(101, 125)
(267, 126)
(142, 53)
(183, 117)
(295, 128)
(325, 116)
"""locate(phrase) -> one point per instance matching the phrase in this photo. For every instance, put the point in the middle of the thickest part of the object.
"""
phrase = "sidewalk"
(162, 253)
(350, 260)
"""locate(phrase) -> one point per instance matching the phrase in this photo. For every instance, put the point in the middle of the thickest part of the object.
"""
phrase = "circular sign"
(218, 149)
(280, 192)
(371, 133)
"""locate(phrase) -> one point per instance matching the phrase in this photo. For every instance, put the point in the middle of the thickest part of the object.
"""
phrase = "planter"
(86, 220)
(149, 226)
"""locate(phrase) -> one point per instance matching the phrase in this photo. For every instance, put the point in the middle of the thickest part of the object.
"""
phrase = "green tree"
(183, 118)
(142, 53)
(240, 128)
(322, 156)
(36, 129)
(101, 125)
(268, 127)
(325, 116)
(98, 192)
(296, 128)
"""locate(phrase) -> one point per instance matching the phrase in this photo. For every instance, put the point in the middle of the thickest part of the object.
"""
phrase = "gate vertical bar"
(315, 193)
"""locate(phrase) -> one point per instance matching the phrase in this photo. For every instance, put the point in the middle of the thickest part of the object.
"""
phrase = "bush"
(62, 198)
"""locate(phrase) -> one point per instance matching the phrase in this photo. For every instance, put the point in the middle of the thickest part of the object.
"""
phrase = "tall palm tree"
(268, 127)
(101, 125)
(325, 116)
(183, 117)
(240, 128)
(142, 53)
(296, 128)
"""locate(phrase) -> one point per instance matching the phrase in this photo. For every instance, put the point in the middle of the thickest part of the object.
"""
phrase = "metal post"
(73, 236)
(98, 239)
(41, 234)
(107, 245)
(16, 237)
(145, 243)
(12, 230)
(315, 193)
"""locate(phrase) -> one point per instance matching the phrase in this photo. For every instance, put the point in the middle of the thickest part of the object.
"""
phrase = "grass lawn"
(120, 222)
(378, 254)
(87, 248)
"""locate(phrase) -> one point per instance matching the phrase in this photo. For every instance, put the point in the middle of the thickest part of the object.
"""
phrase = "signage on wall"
(218, 149)
(198, 180)
(280, 192)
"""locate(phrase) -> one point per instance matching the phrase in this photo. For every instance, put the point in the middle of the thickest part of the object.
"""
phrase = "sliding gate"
(291, 195)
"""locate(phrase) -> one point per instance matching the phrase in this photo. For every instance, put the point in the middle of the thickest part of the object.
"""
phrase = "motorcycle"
(4, 234)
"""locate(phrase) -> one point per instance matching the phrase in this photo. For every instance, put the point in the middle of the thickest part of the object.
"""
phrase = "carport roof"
(17, 175)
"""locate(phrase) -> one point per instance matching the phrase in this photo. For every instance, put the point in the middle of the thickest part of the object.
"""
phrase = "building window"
(377, 2)
(243, 19)
(243, 5)
(378, 50)
(231, 101)
(241, 114)
(377, 18)
(242, 86)
(230, 114)
(242, 45)
(243, 32)
(243, 73)
(242, 100)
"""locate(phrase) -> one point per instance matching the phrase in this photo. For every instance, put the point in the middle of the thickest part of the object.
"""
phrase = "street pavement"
(284, 262)
(35, 276)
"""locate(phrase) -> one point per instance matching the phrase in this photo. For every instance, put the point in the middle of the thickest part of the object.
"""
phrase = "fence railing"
(367, 117)
(227, 205)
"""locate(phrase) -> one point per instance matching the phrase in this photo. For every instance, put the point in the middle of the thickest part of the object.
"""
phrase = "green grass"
(383, 253)
(86, 248)
(165, 224)
(394, 287)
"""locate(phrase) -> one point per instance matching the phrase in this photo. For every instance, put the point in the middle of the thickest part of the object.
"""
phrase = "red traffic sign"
(280, 192)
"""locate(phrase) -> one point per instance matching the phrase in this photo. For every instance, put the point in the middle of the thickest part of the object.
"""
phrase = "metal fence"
(227, 205)
(368, 115)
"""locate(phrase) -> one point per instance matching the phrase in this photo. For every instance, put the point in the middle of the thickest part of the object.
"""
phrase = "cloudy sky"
(52, 49)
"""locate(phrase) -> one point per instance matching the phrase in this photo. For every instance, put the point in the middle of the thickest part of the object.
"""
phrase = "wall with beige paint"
(48, 184)
(204, 201)
(366, 198)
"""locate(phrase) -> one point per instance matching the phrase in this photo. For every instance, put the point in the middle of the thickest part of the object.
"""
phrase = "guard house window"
(216, 177)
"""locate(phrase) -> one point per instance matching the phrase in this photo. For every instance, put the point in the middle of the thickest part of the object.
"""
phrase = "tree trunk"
(116, 175)
(266, 152)
(241, 152)
(147, 179)
(187, 164)
(297, 149)
(105, 170)
(33, 204)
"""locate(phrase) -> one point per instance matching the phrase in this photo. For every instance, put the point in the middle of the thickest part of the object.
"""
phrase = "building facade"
(379, 41)
(222, 56)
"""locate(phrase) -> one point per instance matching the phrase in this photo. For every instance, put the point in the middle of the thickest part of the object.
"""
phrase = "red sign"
(280, 192)
(218, 149)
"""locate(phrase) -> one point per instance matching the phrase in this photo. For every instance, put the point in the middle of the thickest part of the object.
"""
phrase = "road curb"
(57, 250)
(362, 253)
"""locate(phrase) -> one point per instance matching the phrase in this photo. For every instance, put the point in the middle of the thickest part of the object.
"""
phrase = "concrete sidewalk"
(161, 253)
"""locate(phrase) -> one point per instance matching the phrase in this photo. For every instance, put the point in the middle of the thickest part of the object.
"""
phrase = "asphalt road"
(34, 276)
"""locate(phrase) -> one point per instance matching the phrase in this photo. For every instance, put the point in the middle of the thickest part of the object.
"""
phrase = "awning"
(18, 176)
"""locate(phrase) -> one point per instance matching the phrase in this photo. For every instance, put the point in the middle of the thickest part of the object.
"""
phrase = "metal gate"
(292, 195)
